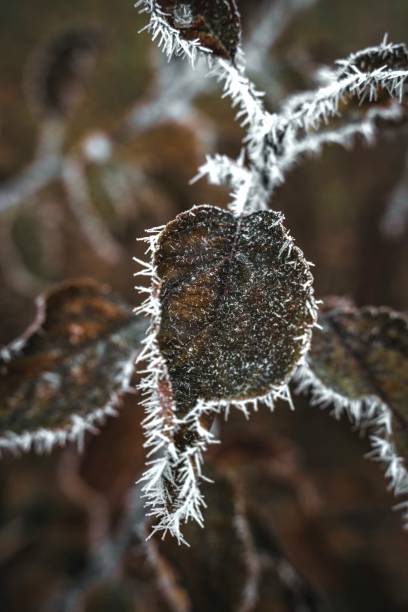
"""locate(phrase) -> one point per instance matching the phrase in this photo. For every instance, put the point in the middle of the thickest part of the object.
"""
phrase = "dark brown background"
(311, 497)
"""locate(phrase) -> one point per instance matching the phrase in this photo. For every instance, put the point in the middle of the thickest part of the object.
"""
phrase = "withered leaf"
(362, 354)
(59, 71)
(236, 304)
(69, 369)
(215, 23)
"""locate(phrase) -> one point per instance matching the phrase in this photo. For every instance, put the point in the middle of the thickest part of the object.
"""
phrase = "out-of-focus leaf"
(69, 369)
(215, 23)
(237, 305)
(363, 353)
(60, 71)
(362, 356)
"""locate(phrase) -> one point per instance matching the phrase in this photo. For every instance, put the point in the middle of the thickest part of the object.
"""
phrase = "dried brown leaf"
(69, 369)
(215, 23)
(362, 352)
(361, 356)
(236, 305)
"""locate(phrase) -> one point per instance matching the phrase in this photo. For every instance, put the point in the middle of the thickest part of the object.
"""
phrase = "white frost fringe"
(180, 471)
(43, 440)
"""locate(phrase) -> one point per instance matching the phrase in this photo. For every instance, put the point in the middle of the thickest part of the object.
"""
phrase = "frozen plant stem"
(308, 121)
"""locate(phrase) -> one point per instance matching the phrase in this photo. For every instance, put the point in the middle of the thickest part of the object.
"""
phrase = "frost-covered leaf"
(61, 70)
(363, 354)
(232, 310)
(70, 368)
(359, 363)
(215, 23)
(236, 305)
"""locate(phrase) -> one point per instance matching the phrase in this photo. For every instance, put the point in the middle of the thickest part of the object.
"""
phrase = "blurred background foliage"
(298, 519)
